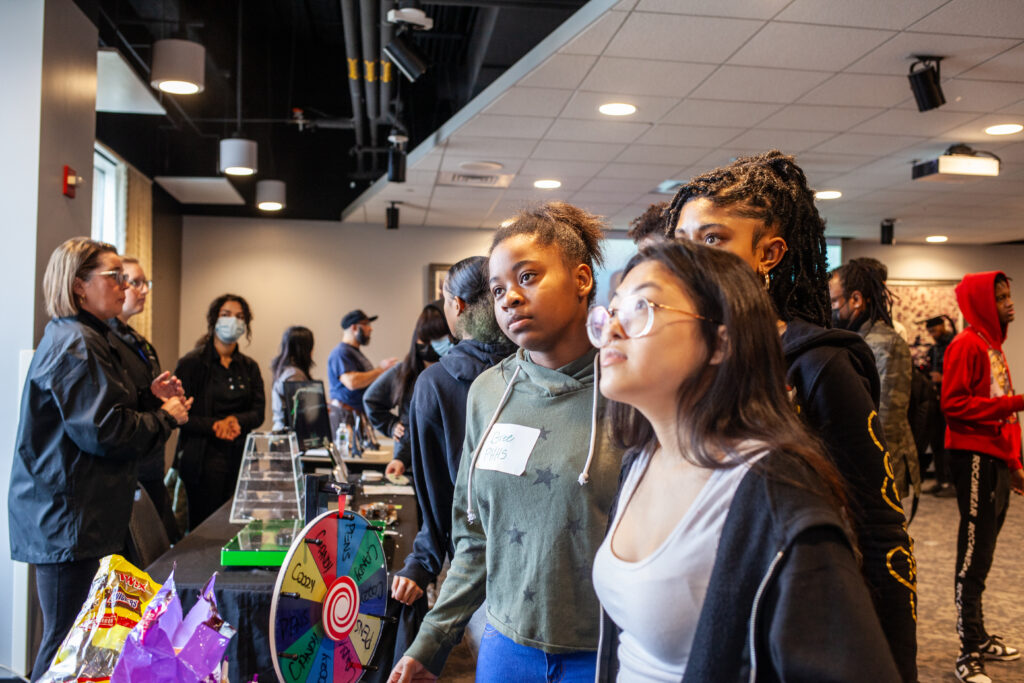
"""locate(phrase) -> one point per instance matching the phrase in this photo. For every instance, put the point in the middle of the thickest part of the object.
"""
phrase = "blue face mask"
(229, 329)
(442, 346)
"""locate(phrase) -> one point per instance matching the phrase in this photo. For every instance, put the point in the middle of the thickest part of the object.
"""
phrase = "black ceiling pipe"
(349, 20)
(368, 20)
(387, 69)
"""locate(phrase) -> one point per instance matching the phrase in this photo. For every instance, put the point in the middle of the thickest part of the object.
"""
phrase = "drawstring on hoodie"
(584, 475)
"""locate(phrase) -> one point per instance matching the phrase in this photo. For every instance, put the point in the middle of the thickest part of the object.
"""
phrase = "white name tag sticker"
(508, 448)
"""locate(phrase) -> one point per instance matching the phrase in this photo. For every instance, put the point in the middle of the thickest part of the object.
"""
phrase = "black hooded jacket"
(437, 428)
(79, 439)
(836, 389)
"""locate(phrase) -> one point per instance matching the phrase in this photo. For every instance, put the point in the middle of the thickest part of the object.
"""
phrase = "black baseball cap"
(354, 318)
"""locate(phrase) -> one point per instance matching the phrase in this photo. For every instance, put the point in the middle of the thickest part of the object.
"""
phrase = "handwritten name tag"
(508, 448)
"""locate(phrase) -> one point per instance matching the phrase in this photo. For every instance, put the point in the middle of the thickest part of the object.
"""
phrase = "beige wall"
(940, 262)
(311, 273)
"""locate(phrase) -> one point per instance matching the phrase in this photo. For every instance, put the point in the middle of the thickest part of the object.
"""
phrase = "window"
(108, 198)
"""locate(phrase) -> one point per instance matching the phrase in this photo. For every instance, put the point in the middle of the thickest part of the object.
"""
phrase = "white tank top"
(657, 601)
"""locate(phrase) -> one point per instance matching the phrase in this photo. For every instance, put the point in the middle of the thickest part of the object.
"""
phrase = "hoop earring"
(767, 281)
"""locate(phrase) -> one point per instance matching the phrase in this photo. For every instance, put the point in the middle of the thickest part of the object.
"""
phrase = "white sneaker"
(970, 668)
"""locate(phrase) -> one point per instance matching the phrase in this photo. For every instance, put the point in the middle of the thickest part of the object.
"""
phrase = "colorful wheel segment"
(329, 601)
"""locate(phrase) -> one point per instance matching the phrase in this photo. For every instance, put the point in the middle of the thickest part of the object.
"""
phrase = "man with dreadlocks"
(863, 304)
(761, 209)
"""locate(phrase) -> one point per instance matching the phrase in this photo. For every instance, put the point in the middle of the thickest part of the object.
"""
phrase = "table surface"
(243, 594)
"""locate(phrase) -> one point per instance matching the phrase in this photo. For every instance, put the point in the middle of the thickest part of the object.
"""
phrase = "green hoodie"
(530, 551)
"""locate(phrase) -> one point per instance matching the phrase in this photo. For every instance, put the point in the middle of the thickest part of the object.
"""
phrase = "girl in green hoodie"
(538, 472)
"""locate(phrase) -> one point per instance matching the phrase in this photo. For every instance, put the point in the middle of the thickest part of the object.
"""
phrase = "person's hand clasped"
(227, 428)
(177, 408)
(1017, 482)
(167, 386)
(405, 590)
(398, 432)
(408, 669)
(395, 467)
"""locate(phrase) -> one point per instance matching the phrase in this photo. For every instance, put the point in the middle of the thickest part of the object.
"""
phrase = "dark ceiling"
(293, 57)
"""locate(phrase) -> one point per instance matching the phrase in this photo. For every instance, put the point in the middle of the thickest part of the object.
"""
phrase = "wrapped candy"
(164, 647)
(118, 596)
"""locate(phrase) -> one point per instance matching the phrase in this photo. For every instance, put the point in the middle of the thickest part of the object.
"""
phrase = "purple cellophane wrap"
(166, 648)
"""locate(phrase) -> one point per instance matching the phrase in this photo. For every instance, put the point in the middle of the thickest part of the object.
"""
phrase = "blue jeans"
(502, 660)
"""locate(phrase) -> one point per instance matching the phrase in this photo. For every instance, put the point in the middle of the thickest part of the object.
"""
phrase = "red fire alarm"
(71, 181)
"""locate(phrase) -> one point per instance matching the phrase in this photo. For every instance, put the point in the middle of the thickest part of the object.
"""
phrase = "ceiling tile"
(962, 53)
(624, 5)
(193, 190)
(795, 46)
(530, 102)
(912, 122)
(819, 117)
(1008, 66)
(585, 197)
(579, 151)
(974, 131)
(649, 109)
(832, 163)
(596, 131)
(661, 154)
(653, 172)
(977, 96)
(593, 39)
(464, 195)
(559, 71)
(856, 143)
(619, 185)
(680, 38)
(718, 113)
(453, 163)
(556, 169)
(751, 84)
(762, 9)
(462, 144)
(682, 136)
(119, 89)
(999, 19)
(493, 125)
(645, 77)
(430, 162)
(866, 13)
(525, 182)
(789, 141)
(452, 219)
(860, 90)
(723, 156)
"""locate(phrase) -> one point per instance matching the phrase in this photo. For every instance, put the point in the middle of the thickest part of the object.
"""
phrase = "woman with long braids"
(761, 209)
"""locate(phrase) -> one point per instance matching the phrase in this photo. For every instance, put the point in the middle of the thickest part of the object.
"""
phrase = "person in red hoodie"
(983, 439)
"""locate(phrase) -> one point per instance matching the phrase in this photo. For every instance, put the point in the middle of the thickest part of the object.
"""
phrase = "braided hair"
(770, 187)
(863, 275)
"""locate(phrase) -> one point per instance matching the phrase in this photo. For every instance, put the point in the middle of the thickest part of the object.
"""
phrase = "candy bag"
(118, 596)
(167, 648)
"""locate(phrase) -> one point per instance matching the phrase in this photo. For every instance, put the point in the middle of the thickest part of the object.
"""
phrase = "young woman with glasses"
(727, 557)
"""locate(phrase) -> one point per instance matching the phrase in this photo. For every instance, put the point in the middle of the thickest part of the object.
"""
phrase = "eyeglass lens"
(632, 314)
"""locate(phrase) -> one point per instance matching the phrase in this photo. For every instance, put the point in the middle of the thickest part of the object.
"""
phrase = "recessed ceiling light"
(1004, 129)
(481, 166)
(935, 238)
(507, 222)
(617, 109)
(547, 184)
(828, 194)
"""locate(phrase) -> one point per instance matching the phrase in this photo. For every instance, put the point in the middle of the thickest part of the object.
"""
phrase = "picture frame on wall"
(436, 273)
(915, 301)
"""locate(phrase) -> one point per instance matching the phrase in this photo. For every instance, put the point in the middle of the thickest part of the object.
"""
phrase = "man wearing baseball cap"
(349, 371)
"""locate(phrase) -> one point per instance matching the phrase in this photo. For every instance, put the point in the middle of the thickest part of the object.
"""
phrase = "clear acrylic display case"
(269, 480)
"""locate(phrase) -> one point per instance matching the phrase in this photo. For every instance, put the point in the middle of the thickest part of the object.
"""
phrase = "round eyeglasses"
(141, 284)
(118, 276)
(635, 315)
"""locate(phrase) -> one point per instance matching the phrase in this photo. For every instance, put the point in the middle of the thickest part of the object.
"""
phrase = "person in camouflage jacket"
(862, 303)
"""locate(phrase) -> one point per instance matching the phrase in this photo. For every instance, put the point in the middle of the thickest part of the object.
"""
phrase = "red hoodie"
(977, 395)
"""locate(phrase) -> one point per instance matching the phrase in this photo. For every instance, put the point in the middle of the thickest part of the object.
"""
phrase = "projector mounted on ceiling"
(958, 162)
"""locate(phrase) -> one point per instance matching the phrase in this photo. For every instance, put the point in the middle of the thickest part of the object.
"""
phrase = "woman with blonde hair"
(79, 437)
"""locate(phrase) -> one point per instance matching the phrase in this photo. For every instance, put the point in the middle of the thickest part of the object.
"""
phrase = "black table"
(244, 594)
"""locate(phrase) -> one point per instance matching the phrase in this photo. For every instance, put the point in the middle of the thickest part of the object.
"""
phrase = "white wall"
(942, 262)
(311, 273)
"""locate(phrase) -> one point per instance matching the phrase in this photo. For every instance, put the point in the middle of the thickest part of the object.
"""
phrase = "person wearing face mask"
(431, 339)
(229, 403)
(862, 303)
(143, 364)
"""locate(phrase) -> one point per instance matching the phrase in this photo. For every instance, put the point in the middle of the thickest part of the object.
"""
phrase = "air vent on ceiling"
(475, 180)
(669, 186)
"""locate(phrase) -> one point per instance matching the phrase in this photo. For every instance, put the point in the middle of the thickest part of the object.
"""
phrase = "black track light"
(396, 164)
(392, 216)
(925, 82)
(407, 57)
(888, 225)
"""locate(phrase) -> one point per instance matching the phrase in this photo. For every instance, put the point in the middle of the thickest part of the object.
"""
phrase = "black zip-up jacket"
(786, 600)
(833, 375)
(437, 428)
(194, 371)
(79, 437)
(378, 403)
(143, 366)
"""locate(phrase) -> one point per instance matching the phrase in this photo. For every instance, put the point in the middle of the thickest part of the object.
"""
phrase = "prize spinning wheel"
(329, 601)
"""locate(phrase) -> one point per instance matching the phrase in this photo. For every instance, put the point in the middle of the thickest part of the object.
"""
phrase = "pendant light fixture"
(178, 66)
(238, 155)
(270, 195)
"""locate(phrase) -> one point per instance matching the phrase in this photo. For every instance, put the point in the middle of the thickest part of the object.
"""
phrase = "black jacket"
(785, 600)
(378, 403)
(437, 428)
(143, 366)
(80, 435)
(194, 371)
(833, 375)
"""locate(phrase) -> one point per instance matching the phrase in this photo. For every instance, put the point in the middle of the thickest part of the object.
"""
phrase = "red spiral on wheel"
(340, 608)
